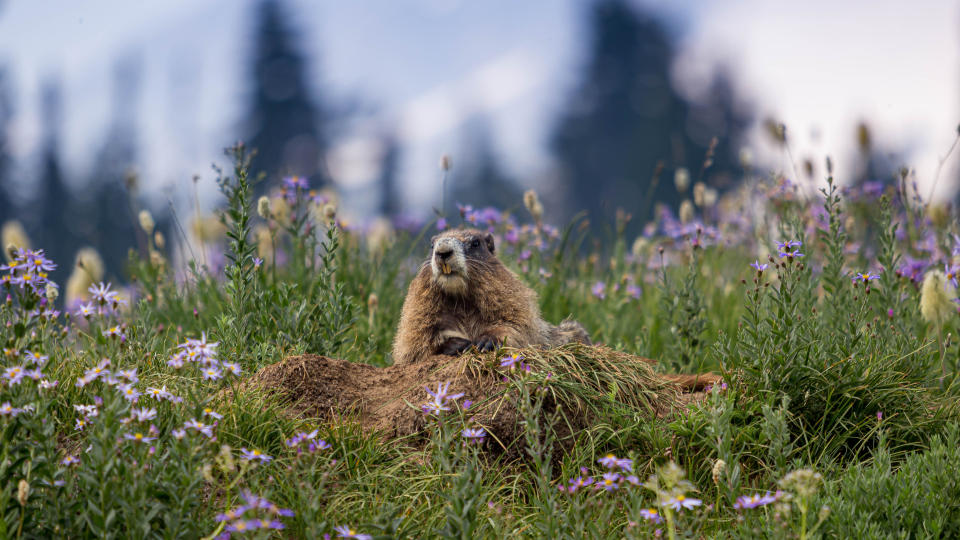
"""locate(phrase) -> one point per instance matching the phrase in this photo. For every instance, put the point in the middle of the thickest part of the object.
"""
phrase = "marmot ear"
(489, 240)
(433, 241)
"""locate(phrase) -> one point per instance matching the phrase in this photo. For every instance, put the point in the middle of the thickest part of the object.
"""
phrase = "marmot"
(464, 297)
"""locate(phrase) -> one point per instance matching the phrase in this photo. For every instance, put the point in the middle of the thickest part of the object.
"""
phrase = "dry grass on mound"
(584, 380)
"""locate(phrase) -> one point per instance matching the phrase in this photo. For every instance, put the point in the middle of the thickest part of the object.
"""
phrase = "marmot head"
(456, 255)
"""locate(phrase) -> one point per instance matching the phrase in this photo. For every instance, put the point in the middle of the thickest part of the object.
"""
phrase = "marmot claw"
(486, 344)
(454, 346)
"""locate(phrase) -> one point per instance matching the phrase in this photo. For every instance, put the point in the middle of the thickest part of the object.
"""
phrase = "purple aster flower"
(651, 514)
(634, 291)
(211, 373)
(70, 460)
(682, 501)
(753, 501)
(143, 414)
(37, 359)
(14, 374)
(625, 464)
(295, 182)
(254, 455)
(579, 482)
(474, 435)
(129, 393)
(610, 481)
(509, 361)
(138, 437)
(199, 426)
(512, 236)
(951, 272)
(212, 414)
(609, 461)
(864, 277)
(598, 290)
(178, 433)
(441, 224)
(257, 262)
(759, 267)
(346, 532)
(525, 254)
(442, 394)
(86, 310)
(232, 367)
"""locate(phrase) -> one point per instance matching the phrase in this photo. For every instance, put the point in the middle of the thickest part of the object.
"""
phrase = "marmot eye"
(475, 244)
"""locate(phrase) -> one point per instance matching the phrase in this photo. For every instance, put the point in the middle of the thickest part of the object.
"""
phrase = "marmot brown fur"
(463, 297)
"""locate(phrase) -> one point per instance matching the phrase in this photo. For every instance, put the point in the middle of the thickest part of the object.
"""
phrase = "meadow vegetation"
(831, 316)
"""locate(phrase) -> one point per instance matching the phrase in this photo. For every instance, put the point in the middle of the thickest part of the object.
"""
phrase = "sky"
(427, 67)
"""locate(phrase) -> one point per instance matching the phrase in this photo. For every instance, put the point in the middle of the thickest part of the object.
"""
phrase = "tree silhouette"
(8, 209)
(626, 129)
(391, 201)
(110, 221)
(283, 123)
(52, 228)
(477, 177)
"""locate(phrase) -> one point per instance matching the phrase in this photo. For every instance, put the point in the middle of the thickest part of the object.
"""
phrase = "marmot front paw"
(454, 346)
(487, 343)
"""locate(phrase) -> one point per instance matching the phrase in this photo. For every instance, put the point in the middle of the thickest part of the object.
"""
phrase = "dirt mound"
(581, 381)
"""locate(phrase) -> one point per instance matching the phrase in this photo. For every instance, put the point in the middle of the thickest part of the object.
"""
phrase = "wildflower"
(176, 360)
(609, 461)
(138, 437)
(129, 374)
(681, 179)
(633, 291)
(178, 433)
(300, 437)
(754, 501)
(441, 224)
(532, 202)
(86, 310)
(48, 385)
(625, 465)
(199, 426)
(346, 532)
(161, 393)
(14, 374)
(146, 222)
(211, 413)
(610, 481)
(442, 394)
(253, 455)
(80, 424)
(936, 297)
(263, 207)
(37, 359)
(129, 393)
(864, 277)
(951, 272)
(651, 514)
(232, 367)
(803, 482)
(879, 416)
(70, 460)
(102, 294)
(682, 501)
(599, 290)
(759, 267)
(509, 361)
(474, 435)
(211, 373)
(257, 262)
(88, 411)
(6, 409)
(143, 414)
(579, 482)
(785, 248)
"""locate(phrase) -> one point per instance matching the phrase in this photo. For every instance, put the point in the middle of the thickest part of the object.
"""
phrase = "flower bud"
(681, 179)
(532, 202)
(718, 469)
(146, 222)
(23, 492)
(52, 291)
(329, 212)
(686, 211)
(263, 207)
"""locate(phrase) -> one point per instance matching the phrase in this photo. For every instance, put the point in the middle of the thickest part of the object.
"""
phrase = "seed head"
(681, 179)
(23, 491)
(14, 236)
(263, 207)
(532, 202)
(146, 222)
(936, 297)
(686, 211)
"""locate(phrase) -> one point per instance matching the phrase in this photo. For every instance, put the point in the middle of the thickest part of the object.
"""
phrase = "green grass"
(809, 359)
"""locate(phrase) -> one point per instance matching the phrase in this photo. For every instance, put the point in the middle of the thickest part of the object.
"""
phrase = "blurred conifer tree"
(625, 121)
(283, 123)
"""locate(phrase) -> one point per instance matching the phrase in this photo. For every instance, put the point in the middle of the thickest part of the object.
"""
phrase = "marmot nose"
(445, 254)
